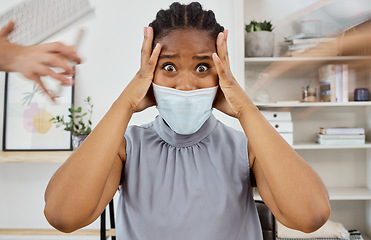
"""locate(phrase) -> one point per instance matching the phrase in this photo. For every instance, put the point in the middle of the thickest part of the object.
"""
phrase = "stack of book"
(333, 83)
(312, 47)
(340, 135)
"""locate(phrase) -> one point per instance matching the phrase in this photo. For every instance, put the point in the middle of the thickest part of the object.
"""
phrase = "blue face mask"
(184, 111)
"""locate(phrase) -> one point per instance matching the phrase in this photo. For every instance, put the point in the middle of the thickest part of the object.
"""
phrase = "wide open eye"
(202, 67)
(169, 67)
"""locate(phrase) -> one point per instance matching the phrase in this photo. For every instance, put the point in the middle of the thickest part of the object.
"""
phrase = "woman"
(185, 175)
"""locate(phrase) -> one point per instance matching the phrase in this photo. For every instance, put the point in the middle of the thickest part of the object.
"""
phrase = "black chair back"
(267, 221)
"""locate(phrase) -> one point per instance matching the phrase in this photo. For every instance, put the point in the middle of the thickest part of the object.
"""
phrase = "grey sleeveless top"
(186, 187)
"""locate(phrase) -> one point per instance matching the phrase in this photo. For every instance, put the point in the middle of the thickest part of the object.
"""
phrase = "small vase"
(77, 140)
(259, 44)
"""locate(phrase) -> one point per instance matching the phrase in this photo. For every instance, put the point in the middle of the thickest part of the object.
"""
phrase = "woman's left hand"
(231, 98)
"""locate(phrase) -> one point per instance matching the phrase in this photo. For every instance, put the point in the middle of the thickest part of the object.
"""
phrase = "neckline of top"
(180, 140)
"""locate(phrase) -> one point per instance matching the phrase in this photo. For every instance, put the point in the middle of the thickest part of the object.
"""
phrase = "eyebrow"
(202, 57)
(197, 57)
(169, 56)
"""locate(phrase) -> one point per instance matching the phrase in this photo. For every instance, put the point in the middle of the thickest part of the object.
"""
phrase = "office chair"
(103, 234)
(267, 221)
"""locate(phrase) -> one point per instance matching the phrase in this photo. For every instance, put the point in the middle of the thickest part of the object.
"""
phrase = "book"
(333, 83)
(341, 130)
(340, 141)
(338, 84)
(327, 89)
(312, 47)
(345, 83)
(312, 40)
(341, 137)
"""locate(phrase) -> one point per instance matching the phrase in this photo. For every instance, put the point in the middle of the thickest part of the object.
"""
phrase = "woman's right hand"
(137, 92)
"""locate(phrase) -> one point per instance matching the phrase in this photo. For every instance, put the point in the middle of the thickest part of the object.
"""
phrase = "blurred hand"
(36, 61)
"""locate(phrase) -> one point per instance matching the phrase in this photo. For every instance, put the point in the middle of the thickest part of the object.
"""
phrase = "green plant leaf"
(77, 123)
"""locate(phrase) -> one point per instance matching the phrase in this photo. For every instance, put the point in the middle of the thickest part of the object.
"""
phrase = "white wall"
(111, 53)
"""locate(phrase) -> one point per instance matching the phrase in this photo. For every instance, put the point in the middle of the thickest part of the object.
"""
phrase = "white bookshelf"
(349, 193)
(268, 60)
(341, 194)
(345, 169)
(312, 146)
(298, 104)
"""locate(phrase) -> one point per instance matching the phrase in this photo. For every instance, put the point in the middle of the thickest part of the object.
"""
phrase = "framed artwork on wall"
(27, 114)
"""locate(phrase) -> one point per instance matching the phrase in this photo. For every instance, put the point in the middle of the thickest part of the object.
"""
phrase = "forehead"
(188, 41)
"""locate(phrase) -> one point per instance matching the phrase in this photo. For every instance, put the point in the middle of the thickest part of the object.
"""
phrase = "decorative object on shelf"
(309, 93)
(76, 124)
(361, 94)
(27, 111)
(262, 96)
(259, 39)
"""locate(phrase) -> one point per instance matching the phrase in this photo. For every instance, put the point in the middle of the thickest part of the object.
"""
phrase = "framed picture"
(27, 114)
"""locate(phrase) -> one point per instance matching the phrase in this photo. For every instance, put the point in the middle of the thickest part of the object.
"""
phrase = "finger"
(36, 78)
(4, 32)
(146, 46)
(64, 80)
(57, 61)
(150, 67)
(66, 51)
(222, 49)
(219, 67)
(225, 32)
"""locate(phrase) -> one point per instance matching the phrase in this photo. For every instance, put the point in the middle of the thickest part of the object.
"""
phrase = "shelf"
(340, 193)
(34, 157)
(348, 193)
(313, 104)
(310, 146)
(40, 232)
(266, 60)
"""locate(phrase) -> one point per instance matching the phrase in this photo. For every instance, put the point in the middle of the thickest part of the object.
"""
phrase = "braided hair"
(181, 16)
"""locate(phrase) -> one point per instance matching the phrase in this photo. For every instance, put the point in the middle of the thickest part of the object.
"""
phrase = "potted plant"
(259, 39)
(77, 125)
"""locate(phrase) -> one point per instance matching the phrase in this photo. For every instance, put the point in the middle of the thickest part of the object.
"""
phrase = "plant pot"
(259, 44)
(77, 140)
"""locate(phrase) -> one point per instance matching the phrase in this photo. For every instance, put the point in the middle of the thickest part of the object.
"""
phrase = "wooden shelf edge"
(34, 156)
(32, 231)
